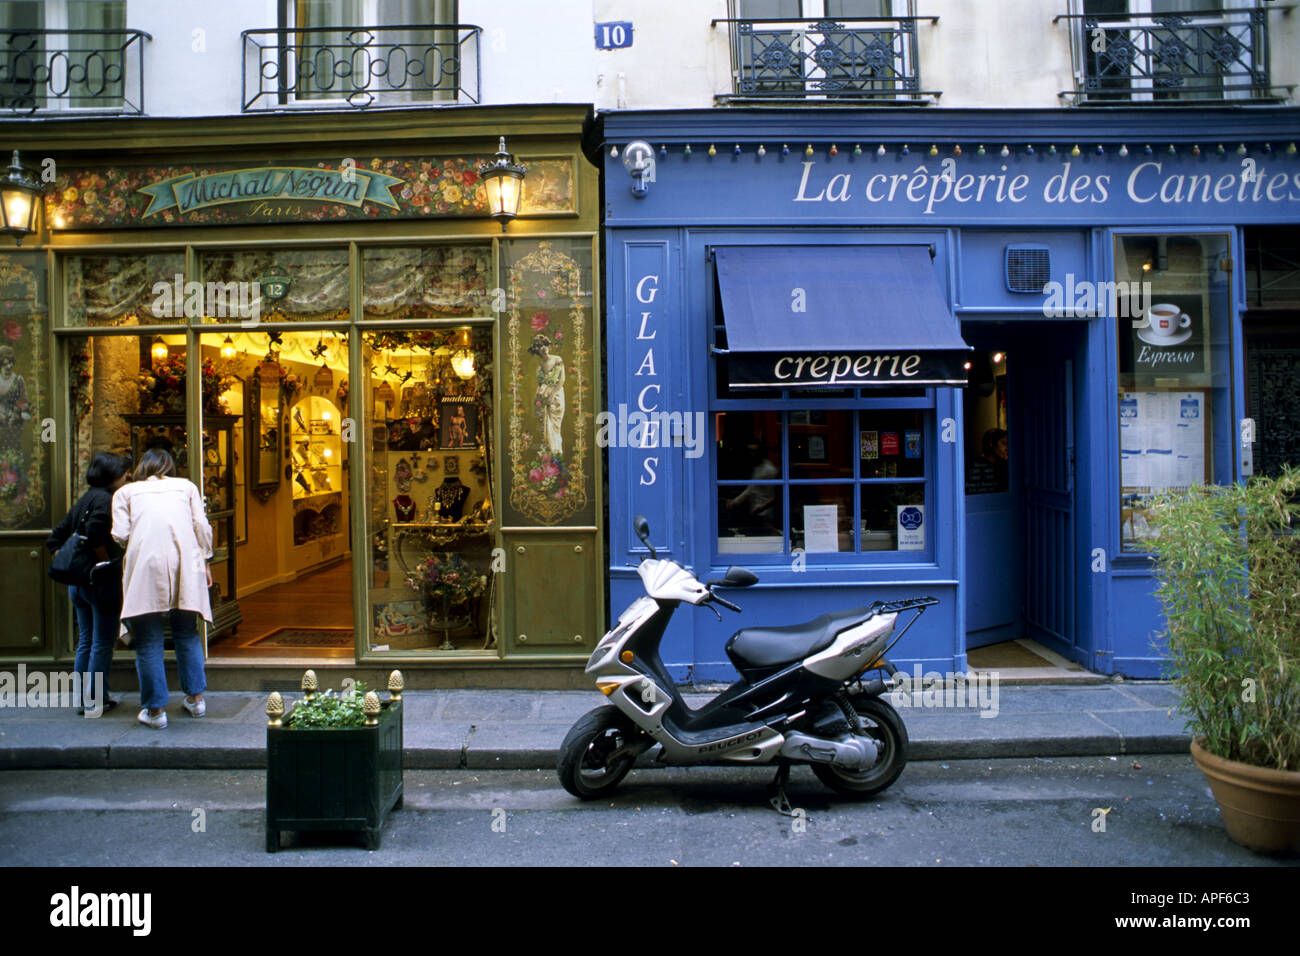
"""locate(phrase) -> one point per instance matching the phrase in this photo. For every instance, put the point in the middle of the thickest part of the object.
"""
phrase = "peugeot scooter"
(801, 696)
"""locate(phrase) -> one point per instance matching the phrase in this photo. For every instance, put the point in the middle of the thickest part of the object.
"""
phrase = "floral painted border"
(22, 453)
(111, 197)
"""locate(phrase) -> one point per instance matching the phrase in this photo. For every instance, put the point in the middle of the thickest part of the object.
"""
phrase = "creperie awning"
(811, 317)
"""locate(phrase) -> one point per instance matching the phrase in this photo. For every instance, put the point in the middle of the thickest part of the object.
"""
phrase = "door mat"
(1006, 654)
(306, 637)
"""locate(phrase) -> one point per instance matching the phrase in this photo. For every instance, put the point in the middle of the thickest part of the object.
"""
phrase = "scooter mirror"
(736, 577)
(642, 529)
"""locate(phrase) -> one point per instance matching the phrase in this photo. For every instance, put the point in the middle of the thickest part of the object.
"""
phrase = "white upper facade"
(194, 58)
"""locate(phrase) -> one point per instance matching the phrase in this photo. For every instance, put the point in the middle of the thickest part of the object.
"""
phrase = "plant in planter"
(333, 762)
(1228, 563)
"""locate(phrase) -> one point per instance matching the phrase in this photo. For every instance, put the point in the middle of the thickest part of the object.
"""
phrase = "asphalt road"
(959, 813)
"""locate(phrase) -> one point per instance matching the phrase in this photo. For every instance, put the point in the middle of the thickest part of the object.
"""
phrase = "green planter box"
(334, 779)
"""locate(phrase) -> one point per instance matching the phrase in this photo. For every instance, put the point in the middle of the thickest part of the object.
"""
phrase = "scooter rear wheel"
(593, 757)
(886, 728)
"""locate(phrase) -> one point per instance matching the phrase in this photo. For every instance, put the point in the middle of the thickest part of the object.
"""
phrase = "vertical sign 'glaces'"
(650, 392)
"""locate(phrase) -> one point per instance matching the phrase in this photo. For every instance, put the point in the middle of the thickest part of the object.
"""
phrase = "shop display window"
(24, 454)
(428, 418)
(126, 289)
(1173, 316)
(276, 285)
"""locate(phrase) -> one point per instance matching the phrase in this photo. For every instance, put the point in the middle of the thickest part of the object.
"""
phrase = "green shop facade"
(386, 397)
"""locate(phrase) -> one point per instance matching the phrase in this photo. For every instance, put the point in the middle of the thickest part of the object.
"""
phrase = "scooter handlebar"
(724, 602)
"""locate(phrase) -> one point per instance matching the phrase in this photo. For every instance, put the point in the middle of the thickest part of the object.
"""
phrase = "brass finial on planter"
(370, 704)
(396, 684)
(310, 684)
(274, 709)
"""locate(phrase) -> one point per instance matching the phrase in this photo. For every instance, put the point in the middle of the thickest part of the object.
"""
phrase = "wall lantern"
(639, 160)
(158, 349)
(503, 179)
(18, 192)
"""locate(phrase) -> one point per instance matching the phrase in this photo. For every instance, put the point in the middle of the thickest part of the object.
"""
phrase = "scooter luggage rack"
(893, 607)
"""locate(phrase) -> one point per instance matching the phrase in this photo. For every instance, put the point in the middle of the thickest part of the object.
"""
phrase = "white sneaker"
(196, 709)
(157, 723)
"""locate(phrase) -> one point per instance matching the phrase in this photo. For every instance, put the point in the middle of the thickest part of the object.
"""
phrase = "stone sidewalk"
(522, 730)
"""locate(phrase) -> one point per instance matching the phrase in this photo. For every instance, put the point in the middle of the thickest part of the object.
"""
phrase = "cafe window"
(1173, 314)
(822, 480)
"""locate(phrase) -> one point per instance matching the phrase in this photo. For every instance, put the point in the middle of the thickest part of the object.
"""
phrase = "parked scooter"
(801, 697)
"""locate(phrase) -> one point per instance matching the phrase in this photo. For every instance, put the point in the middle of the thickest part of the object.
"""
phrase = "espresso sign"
(845, 369)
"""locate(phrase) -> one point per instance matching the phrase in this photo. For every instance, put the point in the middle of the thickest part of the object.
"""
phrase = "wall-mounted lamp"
(639, 160)
(503, 179)
(18, 192)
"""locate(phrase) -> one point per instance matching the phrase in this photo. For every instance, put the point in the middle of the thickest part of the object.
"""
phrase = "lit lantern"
(503, 179)
(18, 192)
(159, 349)
(462, 363)
(228, 349)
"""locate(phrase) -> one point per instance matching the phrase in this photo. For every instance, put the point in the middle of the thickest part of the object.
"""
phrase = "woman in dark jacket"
(98, 610)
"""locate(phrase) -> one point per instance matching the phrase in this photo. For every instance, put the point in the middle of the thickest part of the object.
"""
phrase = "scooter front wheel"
(595, 755)
(886, 728)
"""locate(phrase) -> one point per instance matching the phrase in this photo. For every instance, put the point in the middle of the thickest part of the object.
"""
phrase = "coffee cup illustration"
(1167, 320)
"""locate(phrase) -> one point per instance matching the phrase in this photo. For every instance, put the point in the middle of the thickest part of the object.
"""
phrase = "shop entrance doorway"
(1019, 446)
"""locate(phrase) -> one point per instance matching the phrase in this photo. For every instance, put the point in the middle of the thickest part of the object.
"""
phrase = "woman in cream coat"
(164, 576)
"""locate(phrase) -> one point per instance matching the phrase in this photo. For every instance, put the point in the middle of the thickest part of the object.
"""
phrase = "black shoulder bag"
(73, 561)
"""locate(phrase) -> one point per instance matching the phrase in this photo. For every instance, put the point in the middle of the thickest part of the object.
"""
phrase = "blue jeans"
(97, 633)
(148, 631)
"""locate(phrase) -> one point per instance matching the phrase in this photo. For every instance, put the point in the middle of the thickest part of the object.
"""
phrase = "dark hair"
(160, 441)
(105, 469)
(155, 462)
(991, 439)
(540, 342)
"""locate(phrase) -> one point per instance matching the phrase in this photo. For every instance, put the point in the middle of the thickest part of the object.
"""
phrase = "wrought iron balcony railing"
(872, 59)
(72, 70)
(328, 67)
(1197, 56)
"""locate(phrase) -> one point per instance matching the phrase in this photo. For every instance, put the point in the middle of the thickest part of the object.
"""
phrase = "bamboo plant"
(1228, 565)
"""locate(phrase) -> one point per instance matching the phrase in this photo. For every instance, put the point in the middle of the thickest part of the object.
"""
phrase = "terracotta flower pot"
(1260, 806)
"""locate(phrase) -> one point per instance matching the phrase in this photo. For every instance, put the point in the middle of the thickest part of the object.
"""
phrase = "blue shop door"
(1048, 456)
(995, 560)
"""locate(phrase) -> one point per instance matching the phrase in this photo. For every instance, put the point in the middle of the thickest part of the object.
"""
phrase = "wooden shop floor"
(321, 599)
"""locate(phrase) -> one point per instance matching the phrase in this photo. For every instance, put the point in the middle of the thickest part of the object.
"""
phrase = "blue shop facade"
(876, 354)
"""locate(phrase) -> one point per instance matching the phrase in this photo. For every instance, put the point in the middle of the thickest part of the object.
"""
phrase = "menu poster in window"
(870, 442)
(821, 528)
(1170, 340)
(1162, 448)
(911, 444)
(889, 443)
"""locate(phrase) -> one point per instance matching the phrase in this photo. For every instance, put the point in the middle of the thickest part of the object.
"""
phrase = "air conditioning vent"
(1029, 268)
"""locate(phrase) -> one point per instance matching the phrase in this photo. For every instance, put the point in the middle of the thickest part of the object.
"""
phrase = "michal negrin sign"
(844, 369)
(349, 186)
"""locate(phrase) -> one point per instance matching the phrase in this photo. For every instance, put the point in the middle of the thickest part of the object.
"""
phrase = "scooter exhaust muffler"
(851, 753)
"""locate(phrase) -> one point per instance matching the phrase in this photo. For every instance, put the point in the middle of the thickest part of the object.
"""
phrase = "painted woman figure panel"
(549, 401)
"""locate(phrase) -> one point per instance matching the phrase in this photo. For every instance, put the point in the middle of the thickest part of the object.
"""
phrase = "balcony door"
(1157, 50)
(62, 54)
(798, 54)
(371, 52)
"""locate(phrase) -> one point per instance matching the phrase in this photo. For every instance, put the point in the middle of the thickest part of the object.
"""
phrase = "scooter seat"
(772, 646)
